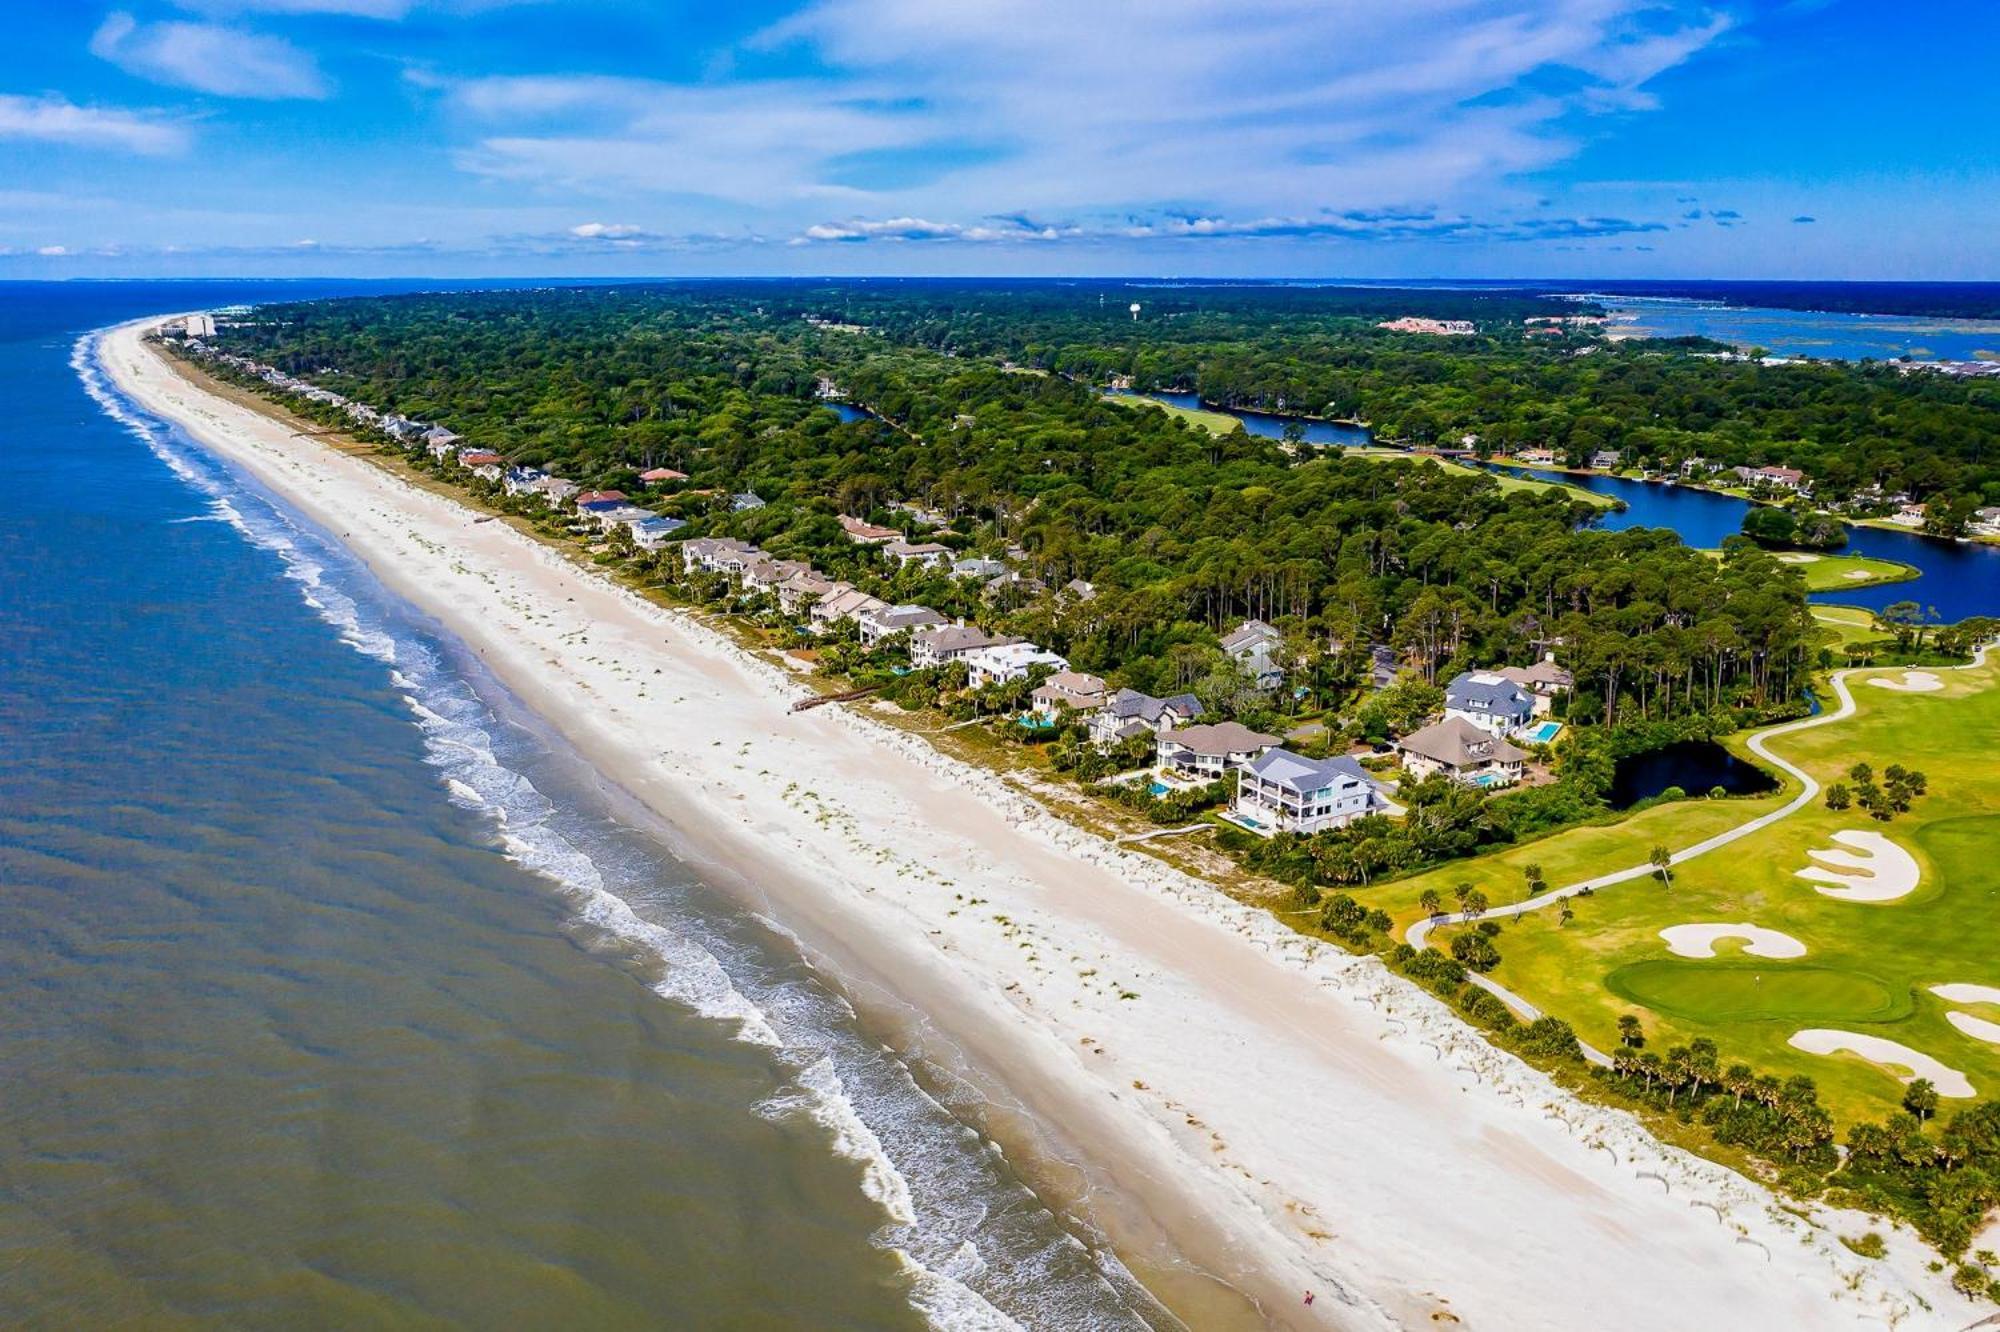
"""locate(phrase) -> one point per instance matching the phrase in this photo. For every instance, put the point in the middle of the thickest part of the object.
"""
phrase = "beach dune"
(1248, 1110)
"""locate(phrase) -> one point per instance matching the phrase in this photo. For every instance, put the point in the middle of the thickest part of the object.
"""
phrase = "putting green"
(1736, 992)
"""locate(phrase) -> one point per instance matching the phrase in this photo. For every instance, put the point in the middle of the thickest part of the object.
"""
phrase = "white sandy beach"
(1291, 1117)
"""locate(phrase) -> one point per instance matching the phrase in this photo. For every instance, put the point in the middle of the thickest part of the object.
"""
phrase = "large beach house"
(1208, 752)
(1128, 714)
(1489, 700)
(1463, 752)
(1281, 791)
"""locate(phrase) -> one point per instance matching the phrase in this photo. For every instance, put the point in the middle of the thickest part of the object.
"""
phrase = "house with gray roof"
(1283, 792)
(949, 642)
(1463, 752)
(1489, 700)
(1128, 714)
(876, 625)
(1543, 681)
(1253, 645)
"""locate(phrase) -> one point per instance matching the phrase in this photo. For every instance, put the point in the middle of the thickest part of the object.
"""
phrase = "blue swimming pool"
(1543, 734)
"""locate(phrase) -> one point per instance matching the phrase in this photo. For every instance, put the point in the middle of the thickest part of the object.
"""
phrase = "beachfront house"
(1129, 714)
(555, 491)
(522, 480)
(1066, 692)
(1463, 752)
(843, 602)
(590, 497)
(1283, 792)
(482, 463)
(1543, 681)
(653, 531)
(764, 574)
(949, 642)
(716, 555)
(801, 590)
(1207, 752)
(1005, 662)
(659, 476)
(928, 554)
(867, 534)
(1489, 700)
(1253, 645)
(876, 625)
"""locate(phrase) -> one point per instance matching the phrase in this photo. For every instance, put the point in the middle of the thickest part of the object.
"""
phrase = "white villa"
(1011, 661)
(935, 647)
(879, 624)
(1129, 714)
(1285, 792)
(927, 553)
(1208, 752)
(1489, 700)
(1066, 692)
(1463, 752)
(1251, 645)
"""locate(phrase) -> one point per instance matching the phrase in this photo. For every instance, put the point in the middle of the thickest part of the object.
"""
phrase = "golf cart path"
(1419, 933)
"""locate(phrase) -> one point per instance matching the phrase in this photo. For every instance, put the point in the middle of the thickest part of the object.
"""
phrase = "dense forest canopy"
(1182, 531)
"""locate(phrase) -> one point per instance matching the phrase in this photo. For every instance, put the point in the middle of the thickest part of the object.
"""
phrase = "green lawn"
(1868, 966)
(1219, 423)
(1848, 624)
(1507, 481)
(1827, 573)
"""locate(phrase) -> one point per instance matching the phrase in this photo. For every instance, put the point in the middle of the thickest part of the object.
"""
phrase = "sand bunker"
(1857, 574)
(1882, 872)
(1968, 994)
(1979, 1029)
(1798, 557)
(1824, 1041)
(1700, 940)
(1913, 682)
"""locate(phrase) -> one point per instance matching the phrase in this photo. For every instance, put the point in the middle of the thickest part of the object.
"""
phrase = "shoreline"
(1287, 1116)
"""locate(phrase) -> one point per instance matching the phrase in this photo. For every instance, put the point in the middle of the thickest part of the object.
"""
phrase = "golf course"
(1856, 922)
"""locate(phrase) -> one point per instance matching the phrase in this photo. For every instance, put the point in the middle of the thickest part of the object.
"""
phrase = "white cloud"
(52, 251)
(208, 58)
(613, 231)
(377, 9)
(1260, 108)
(55, 120)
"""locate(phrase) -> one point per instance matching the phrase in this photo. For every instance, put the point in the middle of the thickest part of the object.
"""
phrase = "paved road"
(1419, 933)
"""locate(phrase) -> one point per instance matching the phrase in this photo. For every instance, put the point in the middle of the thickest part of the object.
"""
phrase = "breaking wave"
(963, 1223)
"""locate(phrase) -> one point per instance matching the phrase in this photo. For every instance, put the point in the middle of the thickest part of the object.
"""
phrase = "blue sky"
(1364, 138)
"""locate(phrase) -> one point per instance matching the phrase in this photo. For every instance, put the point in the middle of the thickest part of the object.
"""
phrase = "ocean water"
(1829, 335)
(337, 992)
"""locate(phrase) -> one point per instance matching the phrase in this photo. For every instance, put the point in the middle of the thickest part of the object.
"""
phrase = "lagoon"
(1826, 335)
(1958, 578)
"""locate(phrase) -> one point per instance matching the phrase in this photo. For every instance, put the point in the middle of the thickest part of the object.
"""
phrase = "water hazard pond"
(1695, 766)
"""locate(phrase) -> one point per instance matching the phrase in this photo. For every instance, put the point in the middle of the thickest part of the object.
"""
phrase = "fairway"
(1869, 965)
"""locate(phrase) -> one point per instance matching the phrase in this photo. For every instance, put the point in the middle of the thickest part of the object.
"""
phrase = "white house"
(1208, 752)
(653, 531)
(949, 642)
(867, 534)
(1252, 646)
(1008, 661)
(927, 553)
(1489, 700)
(1066, 692)
(843, 603)
(876, 625)
(1128, 714)
(1463, 752)
(1285, 792)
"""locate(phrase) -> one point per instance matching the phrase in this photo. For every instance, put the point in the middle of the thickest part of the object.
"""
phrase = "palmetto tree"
(1662, 861)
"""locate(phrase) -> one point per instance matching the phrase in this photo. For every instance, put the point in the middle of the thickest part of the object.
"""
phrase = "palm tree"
(1628, 1030)
(1430, 903)
(1564, 915)
(1662, 861)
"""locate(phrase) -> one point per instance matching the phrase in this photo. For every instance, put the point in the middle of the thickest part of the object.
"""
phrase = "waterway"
(1271, 425)
(1826, 335)
(1958, 578)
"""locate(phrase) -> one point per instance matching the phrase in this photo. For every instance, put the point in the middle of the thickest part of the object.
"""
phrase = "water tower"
(1135, 312)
